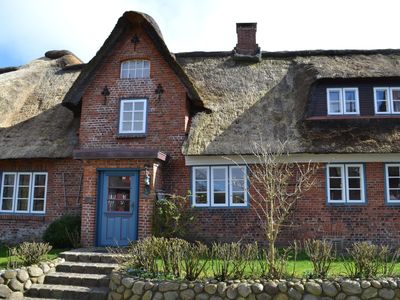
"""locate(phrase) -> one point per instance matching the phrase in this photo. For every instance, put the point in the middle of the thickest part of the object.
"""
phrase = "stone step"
(67, 292)
(88, 280)
(86, 255)
(34, 298)
(86, 268)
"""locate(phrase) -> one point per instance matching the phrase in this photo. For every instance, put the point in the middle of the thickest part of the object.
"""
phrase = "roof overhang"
(120, 154)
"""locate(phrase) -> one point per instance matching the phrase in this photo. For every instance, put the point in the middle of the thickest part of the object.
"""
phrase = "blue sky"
(28, 28)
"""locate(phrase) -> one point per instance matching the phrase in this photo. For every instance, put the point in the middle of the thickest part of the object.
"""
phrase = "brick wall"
(63, 197)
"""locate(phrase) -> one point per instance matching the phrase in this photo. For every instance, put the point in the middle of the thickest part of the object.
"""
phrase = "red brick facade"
(63, 197)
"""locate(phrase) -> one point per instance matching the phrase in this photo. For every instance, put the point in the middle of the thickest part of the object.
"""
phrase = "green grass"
(4, 259)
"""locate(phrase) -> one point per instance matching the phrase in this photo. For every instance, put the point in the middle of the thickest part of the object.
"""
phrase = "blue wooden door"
(118, 208)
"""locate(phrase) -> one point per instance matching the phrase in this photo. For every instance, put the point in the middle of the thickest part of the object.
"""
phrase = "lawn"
(4, 256)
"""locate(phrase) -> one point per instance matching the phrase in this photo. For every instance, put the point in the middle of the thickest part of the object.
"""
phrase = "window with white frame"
(23, 192)
(387, 100)
(342, 101)
(345, 183)
(219, 186)
(133, 114)
(392, 172)
(135, 69)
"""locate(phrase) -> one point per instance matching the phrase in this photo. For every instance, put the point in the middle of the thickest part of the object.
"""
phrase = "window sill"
(19, 216)
(130, 135)
(346, 204)
(220, 207)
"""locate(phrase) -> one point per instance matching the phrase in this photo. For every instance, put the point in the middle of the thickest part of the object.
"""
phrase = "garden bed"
(123, 286)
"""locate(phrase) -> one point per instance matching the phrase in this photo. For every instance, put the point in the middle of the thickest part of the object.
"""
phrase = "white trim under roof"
(206, 160)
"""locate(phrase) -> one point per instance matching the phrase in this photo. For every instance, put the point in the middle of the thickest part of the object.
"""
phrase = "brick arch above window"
(135, 68)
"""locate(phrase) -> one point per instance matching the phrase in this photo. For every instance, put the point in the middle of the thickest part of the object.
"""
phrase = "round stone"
(15, 285)
(257, 288)
(116, 278)
(376, 284)
(45, 267)
(171, 295)
(40, 279)
(271, 288)
(35, 271)
(215, 298)
(187, 294)
(281, 296)
(231, 292)
(351, 287)
(22, 275)
(210, 288)
(369, 293)
(138, 287)
(5, 291)
(244, 290)
(115, 296)
(28, 284)
(148, 285)
(9, 274)
(127, 294)
(198, 288)
(147, 295)
(294, 294)
(221, 287)
(127, 282)
(120, 289)
(386, 293)
(329, 289)
(313, 288)
(282, 287)
(168, 286)
(310, 297)
(182, 287)
(263, 296)
(16, 296)
(158, 296)
(353, 298)
(365, 284)
(392, 284)
(299, 287)
(341, 296)
(202, 296)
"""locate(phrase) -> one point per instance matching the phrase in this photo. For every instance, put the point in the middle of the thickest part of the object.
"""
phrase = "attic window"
(135, 69)
(342, 101)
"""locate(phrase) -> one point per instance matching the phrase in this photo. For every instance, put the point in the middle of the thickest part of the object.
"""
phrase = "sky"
(29, 28)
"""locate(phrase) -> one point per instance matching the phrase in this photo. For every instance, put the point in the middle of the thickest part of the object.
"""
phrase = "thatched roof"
(128, 20)
(34, 124)
(268, 101)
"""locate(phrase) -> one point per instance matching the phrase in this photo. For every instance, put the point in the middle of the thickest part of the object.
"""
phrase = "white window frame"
(342, 101)
(390, 104)
(226, 186)
(244, 171)
(345, 184)
(387, 185)
(194, 187)
(31, 192)
(121, 114)
(133, 69)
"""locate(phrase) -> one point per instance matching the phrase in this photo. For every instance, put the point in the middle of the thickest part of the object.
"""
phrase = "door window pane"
(119, 194)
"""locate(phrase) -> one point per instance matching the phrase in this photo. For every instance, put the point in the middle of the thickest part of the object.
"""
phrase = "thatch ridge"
(73, 97)
(268, 100)
(34, 124)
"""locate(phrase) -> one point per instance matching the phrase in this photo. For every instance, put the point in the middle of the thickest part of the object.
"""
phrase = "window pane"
(138, 126)
(8, 192)
(335, 171)
(393, 171)
(219, 186)
(139, 105)
(353, 171)
(380, 94)
(23, 192)
(126, 126)
(394, 182)
(146, 73)
(127, 116)
(237, 173)
(350, 95)
(335, 107)
(382, 107)
(219, 173)
(139, 64)
(146, 64)
(351, 106)
(334, 95)
(40, 179)
(125, 73)
(394, 194)
(396, 106)
(238, 185)
(335, 183)
(138, 116)
(128, 106)
(200, 174)
(201, 186)
(201, 198)
(219, 198)
(336, 195)
(39, 192)
(9, 179)
(7, 204)
(238, 197)
(38, 205)
(354, 183)
(22, 204)
(354, 195)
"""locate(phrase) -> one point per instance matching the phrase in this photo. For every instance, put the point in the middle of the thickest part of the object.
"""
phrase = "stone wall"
(14, 282)
(126, 287)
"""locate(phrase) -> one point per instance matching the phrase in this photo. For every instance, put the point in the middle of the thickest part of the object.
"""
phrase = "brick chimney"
(246, 47)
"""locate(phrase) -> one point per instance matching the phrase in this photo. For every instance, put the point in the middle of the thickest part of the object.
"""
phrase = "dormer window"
(387, 100)
(342, 101)
(135, 69)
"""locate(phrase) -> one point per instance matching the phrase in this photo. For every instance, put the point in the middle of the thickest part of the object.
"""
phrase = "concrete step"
(88, 255)
(78, 279)
(86, 268)
(67, 292)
